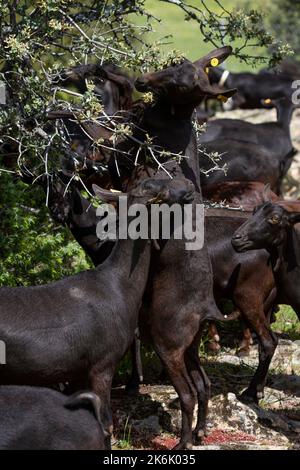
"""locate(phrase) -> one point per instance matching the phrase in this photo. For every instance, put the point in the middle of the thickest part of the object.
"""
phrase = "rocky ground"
(152, 420)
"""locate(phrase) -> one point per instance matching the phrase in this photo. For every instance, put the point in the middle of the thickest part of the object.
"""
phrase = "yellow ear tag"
(207, 70)
(268, 101)
(214, 62)
(222, 98)
(115, 191)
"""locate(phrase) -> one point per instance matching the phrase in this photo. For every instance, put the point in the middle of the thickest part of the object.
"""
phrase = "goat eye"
(274, 220)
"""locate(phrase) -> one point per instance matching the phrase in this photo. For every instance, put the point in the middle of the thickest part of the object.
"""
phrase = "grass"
(287, 323)
(186, 35)
(125, 443)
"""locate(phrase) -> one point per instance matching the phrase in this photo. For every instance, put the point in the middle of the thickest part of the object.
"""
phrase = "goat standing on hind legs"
(180, 283)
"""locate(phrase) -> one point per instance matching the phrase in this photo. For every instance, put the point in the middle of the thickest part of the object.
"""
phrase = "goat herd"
(77, 330)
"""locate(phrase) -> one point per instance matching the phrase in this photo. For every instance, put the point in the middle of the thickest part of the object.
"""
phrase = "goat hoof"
(132, 388)
(198, 436)
(248, 397)
(183, 446)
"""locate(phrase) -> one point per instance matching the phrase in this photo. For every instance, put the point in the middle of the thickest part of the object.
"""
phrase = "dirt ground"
(152, 419)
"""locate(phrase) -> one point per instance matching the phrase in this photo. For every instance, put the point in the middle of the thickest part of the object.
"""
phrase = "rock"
(229, 359)
(148, 425)
(282, 359)
(295, 362)
(227, 412)
(285, 342)
(287, 384)
(240, 416)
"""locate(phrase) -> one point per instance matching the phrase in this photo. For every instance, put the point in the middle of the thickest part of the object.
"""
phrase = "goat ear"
(266, 196)
(107, 195)
(214, 58)
(294, 217)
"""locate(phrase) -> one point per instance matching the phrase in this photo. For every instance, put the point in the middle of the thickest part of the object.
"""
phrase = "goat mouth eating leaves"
(186, 82)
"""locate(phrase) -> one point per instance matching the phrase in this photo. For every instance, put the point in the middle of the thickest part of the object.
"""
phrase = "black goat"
(246, 280)
(251, 152)
(80, 327)
(114, 90)
(253, 89)
(273, 136)
(243, 162)
(239, 194)
(36, 418)
(171, 116)
(272, 227)
(179, 295)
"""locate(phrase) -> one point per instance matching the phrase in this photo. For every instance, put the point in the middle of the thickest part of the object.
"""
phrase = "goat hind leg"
(181, 381)
(100, 382)
(202, 385)
(132, 386)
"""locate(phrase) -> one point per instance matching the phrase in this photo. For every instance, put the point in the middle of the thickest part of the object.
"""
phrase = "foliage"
(287, 322)
(33, 250)
(285, 22)
(225, 26)
(38, 40)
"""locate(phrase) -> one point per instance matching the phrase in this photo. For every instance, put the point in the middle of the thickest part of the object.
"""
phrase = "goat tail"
(212, 313)
(82, 399)
(218, 316)
(233, 315)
